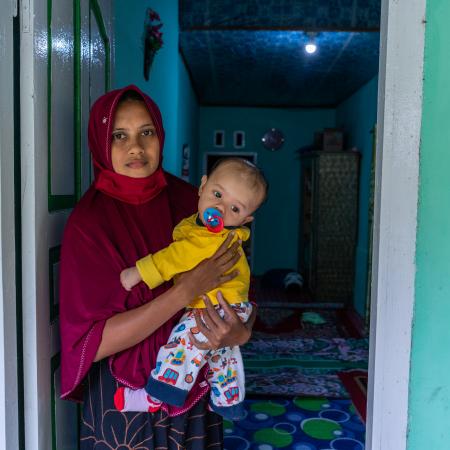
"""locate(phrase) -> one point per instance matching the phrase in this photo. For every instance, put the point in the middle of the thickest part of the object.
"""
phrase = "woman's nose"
(135, 148)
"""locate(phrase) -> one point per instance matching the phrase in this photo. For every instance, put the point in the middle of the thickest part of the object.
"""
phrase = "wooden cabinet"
(329, 223)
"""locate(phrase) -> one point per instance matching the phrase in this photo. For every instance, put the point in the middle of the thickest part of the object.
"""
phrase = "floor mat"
(306, 349)
(296, 424)
(291, 366)
(288, 321)
(291, 382)
(355, 382)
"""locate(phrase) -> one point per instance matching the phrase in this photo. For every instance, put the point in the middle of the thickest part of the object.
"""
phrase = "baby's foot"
(126, 399)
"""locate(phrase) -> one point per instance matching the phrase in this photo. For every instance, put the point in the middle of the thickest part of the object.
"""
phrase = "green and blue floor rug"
(296, 424)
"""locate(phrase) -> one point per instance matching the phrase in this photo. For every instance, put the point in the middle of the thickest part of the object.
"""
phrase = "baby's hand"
(130, 277)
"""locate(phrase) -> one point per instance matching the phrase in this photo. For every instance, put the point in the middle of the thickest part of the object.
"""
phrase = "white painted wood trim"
(9, 428)
(395, 221)
(35, 234)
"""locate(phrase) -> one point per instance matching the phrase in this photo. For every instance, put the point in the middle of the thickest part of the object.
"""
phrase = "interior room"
(291, 86)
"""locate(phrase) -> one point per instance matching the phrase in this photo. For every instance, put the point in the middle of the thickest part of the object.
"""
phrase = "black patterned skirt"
(105, 428)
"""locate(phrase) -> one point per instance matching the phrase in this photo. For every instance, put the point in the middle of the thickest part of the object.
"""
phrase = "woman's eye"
(118, 136)
(217, 194)
(148, 133)
(235, 209)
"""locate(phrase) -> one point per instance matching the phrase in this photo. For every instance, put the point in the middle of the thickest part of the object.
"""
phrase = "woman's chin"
(141, 172)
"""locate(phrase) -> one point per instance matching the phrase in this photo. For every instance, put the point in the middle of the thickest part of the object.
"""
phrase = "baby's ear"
(248, 219)
(202, 183)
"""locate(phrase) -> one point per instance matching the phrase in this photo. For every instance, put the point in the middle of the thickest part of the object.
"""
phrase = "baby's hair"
(254, 176)
(130, 96)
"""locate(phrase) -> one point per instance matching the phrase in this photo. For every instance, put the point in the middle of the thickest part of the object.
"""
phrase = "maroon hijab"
(119, 220)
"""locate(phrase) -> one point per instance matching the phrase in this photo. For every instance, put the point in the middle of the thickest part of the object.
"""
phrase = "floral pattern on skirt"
(105, 428)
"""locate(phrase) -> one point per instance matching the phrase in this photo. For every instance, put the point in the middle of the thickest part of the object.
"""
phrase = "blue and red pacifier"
(213, 220)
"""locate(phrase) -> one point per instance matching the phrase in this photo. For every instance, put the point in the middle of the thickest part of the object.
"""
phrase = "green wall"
(429, 400)
(357, 116)
(168, 84)
(277, 222)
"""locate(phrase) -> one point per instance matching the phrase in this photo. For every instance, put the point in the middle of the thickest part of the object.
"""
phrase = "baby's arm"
(180, 256)
(130, 277)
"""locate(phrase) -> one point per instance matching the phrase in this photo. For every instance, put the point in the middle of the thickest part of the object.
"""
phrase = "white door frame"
(395, 221)
(9, 403)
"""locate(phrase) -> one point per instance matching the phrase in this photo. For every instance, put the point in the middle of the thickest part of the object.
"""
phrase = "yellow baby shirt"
(192, 244)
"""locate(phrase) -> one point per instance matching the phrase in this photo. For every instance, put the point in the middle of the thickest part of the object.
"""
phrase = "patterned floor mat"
(291, 366)
(297, 424)
(290, 382)
(288, 321)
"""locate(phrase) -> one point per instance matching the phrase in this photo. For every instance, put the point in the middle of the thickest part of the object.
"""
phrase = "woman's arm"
(128, 328)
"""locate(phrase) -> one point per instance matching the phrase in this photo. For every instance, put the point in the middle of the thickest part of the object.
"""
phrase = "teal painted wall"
(170, 87)
(276, 231)
(430, 362)
(188, 119)
(168, 84)
(357, 116)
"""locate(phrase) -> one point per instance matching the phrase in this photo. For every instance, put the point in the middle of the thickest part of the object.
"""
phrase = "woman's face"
(135, 145)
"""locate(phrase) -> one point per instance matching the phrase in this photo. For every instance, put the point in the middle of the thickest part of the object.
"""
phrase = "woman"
(110, 337)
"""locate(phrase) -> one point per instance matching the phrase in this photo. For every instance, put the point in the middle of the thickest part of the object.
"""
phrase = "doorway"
(397, 129)
(399, 116)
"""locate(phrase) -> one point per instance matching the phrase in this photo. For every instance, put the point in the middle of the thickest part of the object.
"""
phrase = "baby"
(230, 195)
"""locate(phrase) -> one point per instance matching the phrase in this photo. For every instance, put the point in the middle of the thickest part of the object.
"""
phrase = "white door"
(65, 63)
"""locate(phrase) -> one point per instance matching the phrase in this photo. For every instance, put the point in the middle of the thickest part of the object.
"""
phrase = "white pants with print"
(179, 362)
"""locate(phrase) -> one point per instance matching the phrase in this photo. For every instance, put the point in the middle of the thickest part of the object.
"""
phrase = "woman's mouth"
(137, 164)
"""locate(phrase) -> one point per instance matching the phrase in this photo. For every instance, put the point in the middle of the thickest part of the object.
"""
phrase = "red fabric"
(131, 190)
(355, 381)
(111, 227)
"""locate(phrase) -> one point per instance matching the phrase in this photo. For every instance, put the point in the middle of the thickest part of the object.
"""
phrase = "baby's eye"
(217, 194)
(235, 209)
(118, 136)
(148, 132)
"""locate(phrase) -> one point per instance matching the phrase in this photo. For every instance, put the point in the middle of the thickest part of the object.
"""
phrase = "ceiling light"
(311, 46)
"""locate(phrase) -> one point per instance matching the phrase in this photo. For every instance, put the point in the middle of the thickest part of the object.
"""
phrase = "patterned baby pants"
(179, 362)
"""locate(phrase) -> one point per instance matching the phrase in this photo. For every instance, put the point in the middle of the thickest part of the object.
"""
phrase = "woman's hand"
(221, 332)
(209, 274)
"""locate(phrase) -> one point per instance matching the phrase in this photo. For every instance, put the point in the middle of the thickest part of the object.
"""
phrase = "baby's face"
(229, 193)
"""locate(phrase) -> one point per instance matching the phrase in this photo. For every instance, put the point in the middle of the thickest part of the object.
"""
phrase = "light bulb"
(311, 43)
(310, 48)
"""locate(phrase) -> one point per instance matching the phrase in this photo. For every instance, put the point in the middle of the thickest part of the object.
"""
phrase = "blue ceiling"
(251, 53)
